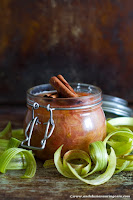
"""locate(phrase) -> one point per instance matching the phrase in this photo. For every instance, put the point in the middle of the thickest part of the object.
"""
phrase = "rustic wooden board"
(49, 184)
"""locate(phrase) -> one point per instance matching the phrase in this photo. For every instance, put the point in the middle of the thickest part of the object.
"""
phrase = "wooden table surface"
(48, 183)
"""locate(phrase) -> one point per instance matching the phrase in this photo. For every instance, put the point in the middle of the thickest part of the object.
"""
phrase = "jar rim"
(93, 91)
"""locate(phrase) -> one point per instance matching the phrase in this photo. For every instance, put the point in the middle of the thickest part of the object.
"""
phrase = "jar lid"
(114, 99)
(115, 106)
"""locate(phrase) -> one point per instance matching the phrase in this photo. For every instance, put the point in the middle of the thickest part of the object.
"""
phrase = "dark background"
(87, 41)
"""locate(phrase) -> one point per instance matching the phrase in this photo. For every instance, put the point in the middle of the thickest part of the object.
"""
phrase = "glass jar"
(74, 122)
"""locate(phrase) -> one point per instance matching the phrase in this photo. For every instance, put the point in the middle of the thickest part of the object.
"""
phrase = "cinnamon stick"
(54, 95)
(62, 87)
(61, 78)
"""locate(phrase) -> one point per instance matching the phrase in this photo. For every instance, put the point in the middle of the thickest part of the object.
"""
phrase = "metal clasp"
(35, 121)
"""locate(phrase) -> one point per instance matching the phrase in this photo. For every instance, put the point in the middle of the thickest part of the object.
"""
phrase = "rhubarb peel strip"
(71, 171)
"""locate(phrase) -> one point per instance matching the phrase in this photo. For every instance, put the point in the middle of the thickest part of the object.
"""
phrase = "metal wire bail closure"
(48, 132)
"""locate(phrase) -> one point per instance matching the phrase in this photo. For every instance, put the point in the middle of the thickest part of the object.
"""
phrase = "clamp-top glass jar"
(74, 122)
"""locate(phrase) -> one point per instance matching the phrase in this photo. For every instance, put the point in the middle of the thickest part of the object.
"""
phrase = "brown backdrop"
(88, 41)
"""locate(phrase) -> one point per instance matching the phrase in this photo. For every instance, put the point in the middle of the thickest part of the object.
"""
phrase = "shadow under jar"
(78, 121)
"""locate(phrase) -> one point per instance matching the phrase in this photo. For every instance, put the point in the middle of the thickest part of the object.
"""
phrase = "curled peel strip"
(67, 169)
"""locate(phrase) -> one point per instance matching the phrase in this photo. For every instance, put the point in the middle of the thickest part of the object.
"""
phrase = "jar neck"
(73, 105)
(91, 98)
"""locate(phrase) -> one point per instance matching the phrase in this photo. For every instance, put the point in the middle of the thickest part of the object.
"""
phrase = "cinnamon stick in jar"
(61, 78)
(62, 86)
